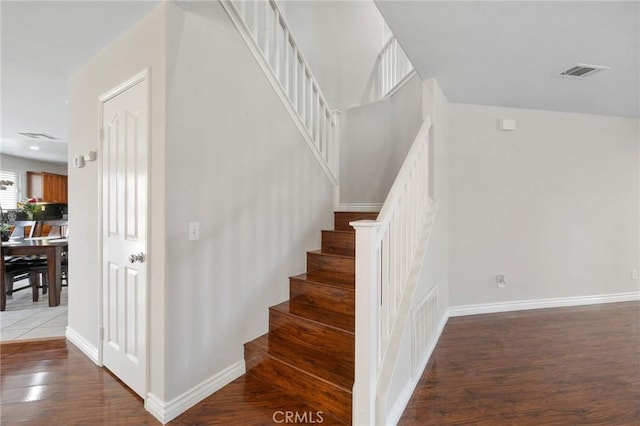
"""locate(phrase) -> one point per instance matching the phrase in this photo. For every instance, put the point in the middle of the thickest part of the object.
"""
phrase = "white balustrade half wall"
(393, 68)
(265, 30)
(389, 256)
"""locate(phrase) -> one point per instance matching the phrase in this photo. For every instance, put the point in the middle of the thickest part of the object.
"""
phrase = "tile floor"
(25, 319)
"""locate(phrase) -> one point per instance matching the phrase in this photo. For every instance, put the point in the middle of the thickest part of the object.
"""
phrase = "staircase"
(309, 349)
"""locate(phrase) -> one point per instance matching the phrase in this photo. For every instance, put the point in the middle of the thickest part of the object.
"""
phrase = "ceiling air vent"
(38, 135)
(582, 70)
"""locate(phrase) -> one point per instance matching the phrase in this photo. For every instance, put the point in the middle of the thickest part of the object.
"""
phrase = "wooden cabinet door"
(54, 188)
(34, 185)
(63, 189)
(47, 187)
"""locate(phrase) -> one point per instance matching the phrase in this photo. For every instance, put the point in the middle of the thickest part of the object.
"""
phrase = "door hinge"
(101, 333)
(102, 135)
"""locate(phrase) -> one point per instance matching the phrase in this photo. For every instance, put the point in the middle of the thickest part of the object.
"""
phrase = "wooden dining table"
(51, 248)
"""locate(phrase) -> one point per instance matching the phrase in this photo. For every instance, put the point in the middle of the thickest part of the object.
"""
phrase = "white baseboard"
(520, 305)
(167, 411)
(359, 207)
(83, 344)
(393, 417)
(401, 403)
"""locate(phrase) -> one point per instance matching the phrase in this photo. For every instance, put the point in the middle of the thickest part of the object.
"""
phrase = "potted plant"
(28, 207)
(5, 231)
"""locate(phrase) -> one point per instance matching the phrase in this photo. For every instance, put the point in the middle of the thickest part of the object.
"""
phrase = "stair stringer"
(389, 357)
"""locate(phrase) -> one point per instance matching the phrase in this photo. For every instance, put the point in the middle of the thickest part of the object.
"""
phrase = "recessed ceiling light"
(35, 148)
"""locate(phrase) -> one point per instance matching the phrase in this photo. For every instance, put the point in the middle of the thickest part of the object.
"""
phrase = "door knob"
(136, 257)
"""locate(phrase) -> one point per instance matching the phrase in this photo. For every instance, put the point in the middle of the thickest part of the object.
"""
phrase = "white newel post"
(366, 338)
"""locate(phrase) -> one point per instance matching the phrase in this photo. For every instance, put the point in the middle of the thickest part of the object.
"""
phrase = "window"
(9, 195)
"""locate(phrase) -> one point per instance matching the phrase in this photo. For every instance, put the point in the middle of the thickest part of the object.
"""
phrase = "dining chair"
(16, 270)
(23, 228)
(40, 273)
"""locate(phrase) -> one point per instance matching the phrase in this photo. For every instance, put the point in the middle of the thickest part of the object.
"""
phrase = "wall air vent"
(581, 70)
(38, 136)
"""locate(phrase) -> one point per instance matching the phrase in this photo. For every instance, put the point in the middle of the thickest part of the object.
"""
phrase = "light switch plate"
(78, 162)
(194, 231)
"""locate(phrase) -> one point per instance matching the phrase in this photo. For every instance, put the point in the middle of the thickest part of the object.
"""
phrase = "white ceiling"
(506, 52)
(43, 44)
(481, 52)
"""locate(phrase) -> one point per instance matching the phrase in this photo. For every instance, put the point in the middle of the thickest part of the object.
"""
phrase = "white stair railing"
(263, 26)
(389, 255)
(393, 67)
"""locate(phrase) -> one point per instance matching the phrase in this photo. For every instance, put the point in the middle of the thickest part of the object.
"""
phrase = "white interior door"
(124, 231)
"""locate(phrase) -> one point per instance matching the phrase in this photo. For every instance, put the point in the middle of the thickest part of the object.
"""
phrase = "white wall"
(341, 41)
(553, 206)
(9, 162)
(435, 269)
(238, 165)
(141, 47)
(374, 142)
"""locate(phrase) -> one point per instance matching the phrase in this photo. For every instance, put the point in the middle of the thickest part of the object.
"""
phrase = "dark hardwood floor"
(52, 382)
(248, 401)
(566, 366)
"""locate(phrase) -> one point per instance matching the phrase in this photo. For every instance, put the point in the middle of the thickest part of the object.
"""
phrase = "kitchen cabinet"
(47, 187)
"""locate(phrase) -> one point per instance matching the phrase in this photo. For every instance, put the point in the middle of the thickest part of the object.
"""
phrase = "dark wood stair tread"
(339, 242)
(341, 231)
(338, 372)
(334, 297)
(340, 268)
(343, 322)
(341, 219)
(331, 254)
(300, 384)
(324, 279)
(309, 350)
